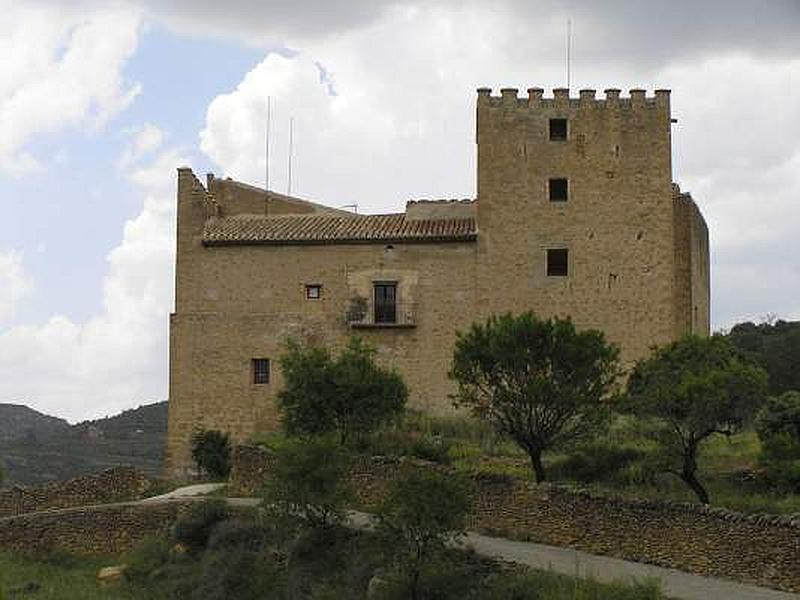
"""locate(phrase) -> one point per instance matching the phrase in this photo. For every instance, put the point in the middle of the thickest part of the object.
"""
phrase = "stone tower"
(577, 215)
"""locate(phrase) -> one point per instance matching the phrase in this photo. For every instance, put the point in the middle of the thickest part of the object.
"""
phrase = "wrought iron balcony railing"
(388, 314)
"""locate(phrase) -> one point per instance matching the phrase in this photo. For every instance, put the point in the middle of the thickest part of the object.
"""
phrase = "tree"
(695, 388)
(778, 427)
(422, 511)
(349, 394)
(308, 482)
(540, 382)
(775, 345)
(211, 451)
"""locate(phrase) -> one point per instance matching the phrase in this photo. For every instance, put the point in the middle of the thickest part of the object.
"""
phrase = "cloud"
(118, 358)
(143, 141)
(385, 112)
(62, 68)
(613, 31)
(14, 283)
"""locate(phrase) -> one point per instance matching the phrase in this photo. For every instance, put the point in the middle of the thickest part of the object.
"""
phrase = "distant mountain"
(18, 421)
(36, 448)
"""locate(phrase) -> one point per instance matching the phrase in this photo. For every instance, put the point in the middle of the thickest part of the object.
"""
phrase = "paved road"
(676, 584)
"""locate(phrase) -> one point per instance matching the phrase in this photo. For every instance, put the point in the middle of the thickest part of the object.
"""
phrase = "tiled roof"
(328, 229)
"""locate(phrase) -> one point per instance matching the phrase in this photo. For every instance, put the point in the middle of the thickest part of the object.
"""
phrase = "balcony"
(397, 315)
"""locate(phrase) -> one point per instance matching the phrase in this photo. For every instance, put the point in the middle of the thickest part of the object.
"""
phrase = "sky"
(101, 101)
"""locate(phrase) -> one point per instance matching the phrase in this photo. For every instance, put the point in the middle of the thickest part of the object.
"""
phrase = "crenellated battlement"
(510, 97)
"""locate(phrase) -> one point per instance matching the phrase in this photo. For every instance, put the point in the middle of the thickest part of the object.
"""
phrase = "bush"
(308, 483)
(193, 529)
(597, 462)
(349, 395)
(211, 451)
(778, 426)
(238, 534)
(423, 510)
(147, 558)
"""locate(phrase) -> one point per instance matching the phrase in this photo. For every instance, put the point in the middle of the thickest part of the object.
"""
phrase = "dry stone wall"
(111, 485)
(108, 529)
(758, 549)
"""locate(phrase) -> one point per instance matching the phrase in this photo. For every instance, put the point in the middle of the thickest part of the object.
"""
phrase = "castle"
(576, 214)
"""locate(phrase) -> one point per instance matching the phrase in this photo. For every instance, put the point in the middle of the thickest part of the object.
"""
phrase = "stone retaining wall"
(111, 485)
(758, 549)
(108, 529)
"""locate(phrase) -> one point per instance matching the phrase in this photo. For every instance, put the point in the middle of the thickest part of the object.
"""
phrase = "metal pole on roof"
(266, 172)
(569, 52)
(291, 144)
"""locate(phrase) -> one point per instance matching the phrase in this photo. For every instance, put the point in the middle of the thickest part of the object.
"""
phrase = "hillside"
(36, 448)
(19, 421)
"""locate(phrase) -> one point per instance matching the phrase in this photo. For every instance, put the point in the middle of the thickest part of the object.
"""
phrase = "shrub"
(150, 555)
(193, 529)
(238, 534)
(308, 482)
(778, 427)
(349, 395)
(211, 451)
(422, 511)
(597, 462)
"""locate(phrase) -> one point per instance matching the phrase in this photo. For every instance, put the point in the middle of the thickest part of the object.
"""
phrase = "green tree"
(349, 394)
(778, 427)
(775, 345)
(422, 511)
(308, 482)
(211, 451)
(692, 389)
(540, 382)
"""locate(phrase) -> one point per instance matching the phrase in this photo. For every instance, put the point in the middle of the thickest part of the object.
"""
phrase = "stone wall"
(111, 485)
(108, 529)
(758, 549)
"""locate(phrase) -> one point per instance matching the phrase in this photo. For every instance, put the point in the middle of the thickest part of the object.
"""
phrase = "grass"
(60, 577)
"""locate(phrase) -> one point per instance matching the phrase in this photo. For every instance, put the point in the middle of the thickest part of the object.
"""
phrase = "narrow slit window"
(260, 371)
(558, 130)
(559, 190)
(313, 291)
(557, 262)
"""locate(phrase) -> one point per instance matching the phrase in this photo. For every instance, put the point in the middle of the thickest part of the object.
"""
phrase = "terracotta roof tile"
(329, 229)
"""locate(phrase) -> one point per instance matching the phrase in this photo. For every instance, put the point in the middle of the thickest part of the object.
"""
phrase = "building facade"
(576, 215)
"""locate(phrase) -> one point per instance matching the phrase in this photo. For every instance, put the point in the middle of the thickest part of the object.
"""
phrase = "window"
(260, 371)
(559, 190)
(386, 302)
(313, 291)
(558, 130)
(557, 262)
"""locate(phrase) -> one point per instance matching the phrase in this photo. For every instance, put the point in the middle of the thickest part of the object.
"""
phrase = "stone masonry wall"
(758, 549)
(111, 485)
(108, 529)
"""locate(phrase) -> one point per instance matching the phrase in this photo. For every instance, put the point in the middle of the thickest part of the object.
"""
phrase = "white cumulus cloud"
(60, 66)
(14, 283)
(118, 358)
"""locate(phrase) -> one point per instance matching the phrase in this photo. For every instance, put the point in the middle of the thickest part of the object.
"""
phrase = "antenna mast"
(291, 144)
(569, 52)
(266, 172)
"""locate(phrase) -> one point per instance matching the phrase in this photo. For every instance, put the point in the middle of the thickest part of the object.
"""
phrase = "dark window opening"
(313, 292)
(559, 190)
(260, 371)
(386, 302)
(558, 129)
(557, 262)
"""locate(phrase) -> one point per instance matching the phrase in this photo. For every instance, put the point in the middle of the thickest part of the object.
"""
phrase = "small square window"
(260, 371)
(557, 262)
(559, 190)
(313, 292)
(558, 130)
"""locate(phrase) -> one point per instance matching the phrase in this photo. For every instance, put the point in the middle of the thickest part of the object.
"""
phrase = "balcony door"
(386, 302)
